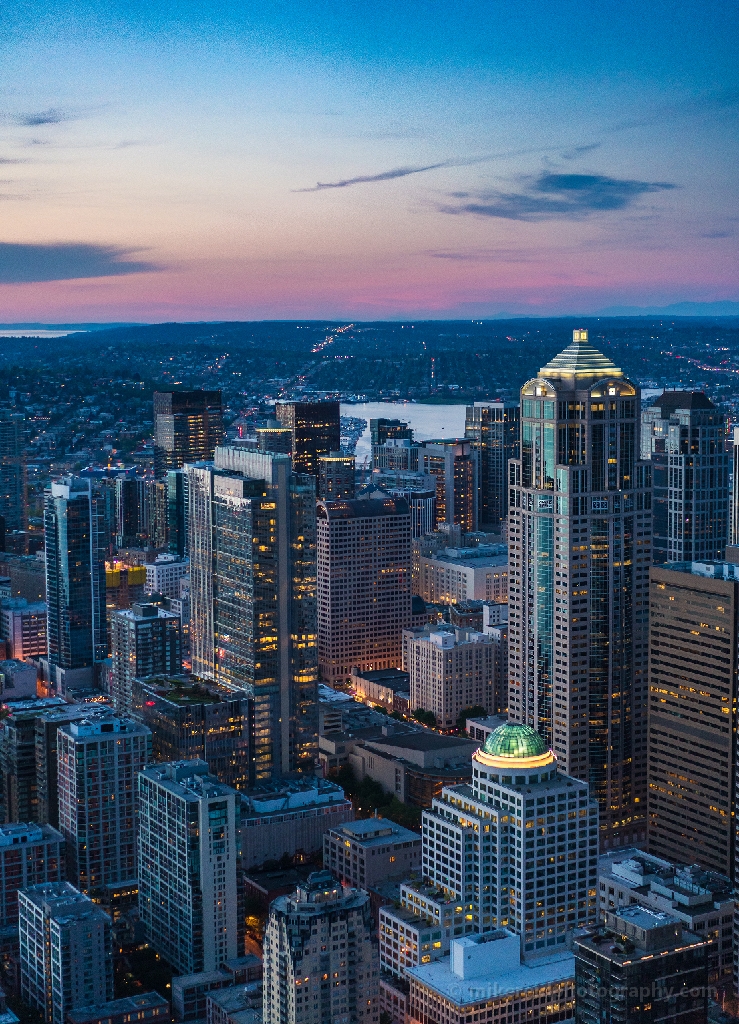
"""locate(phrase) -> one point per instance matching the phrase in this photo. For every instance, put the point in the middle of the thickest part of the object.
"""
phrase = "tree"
(476, 711)
(427, 718)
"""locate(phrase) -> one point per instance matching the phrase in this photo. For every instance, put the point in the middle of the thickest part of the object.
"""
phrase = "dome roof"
(516, 742)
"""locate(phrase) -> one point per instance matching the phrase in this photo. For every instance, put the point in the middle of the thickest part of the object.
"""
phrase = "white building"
(450, 671)
(187, 851)
(163, 575)
(464, 574)
(320, 962)
(98, 759)
(66, 954)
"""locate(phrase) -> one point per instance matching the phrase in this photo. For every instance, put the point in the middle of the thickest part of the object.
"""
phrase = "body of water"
(427, 420)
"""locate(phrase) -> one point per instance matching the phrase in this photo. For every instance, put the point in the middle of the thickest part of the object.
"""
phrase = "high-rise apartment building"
(494, 845)
(196, 721)
(75, 582)
(451, 670)
(129, 509)
(694, 616)
(18, 757)
(187, 850)
(316, 430)
(146, 641)
(455, 465)
(99, 759)
(13, 474)
(23, 628)
(336, 477)
(66, 954)
(364, 584)
(46, 743)
(320, 960)
(493, 428)
(252, 528)
(155, 514)
(29, 854)
(163, 575)
(187, 427)
(684, 436)
(579, 557)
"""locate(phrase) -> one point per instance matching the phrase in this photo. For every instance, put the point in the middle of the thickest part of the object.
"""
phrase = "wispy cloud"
(41, 117)
(24, 263)
(362, 179)
(556, 196)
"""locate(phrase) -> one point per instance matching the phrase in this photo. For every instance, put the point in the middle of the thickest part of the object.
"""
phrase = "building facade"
(146, 641)
(66, 953)
(320, 960)
(450, 671)
(99, 759)
(693, 609)
(684, 436)
(456, 575)
(364, 584)
(336, 477)
(188, 844)
(187, 427)
(29, 855)
(579, 555)
(493, 428)
(364, 853)
(13, 471)
(455, 465)
(316, 430)
(23, 627)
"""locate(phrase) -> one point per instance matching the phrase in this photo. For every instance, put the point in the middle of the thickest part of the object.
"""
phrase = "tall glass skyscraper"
(74, 529)
(13, 484)
(580, 551)
(493, 428)
(252, 540)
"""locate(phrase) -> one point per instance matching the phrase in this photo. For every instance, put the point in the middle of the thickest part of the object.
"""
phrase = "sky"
(242, 160)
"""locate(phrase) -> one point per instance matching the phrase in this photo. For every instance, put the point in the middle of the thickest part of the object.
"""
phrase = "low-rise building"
(363, 853)
(239, 1004)
(450, 671)
(407, 940)
(703, 901)
(17, 680)
(149, 1006)
(480, 728)
(380, 687)
(485, 978)
(290, 817)
(190, 992)
(456, 575)
(641, 967)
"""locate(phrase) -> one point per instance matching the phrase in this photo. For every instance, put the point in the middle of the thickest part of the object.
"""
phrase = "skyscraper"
(187, 427)
(13, 480)
(364, 584)
(75, 581)
(99, 759)
(253, 591)
(336, 479)
(177, 511)
(316, 430)
(66, 954)
(694, 615)
(454, 464)
(579, 553)
(684, 435)
(493, 428)
(146, 640)
(187, 849)
(320, 963)
(129, 507)
(29, 854)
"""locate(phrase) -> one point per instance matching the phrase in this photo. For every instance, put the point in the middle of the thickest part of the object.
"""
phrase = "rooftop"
(580, 359)
(128, 1004)
(375, 832)
(671, 401)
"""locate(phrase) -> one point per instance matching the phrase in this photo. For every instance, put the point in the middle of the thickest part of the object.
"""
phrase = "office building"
(66, 954)
(253, 597)
(455, 465)
(146, 641)
(23, 628)
(383, 430)
(163, 575)
(684, 436)
(579, 544)
(149, 1006)
(702, 900)
(129, 507)
(29, 854)
(188, 844)
(99, 759)
(316, 430)
(124, 586)
(457, 575)
(191, 992)
(484, 977)
(177, 512)
(642, 967)
(187, 427)
(364, 584)
(384, 687)
(395, 457)
(321, 933)
(362, 854)
(75, 583)
(450, 671)
(290, 817)
(17, 680)
(191, 720)
(240, 1004)
(336, 477)
(493, 428)
(273, 437)
(495, 626)
(694, 613)
(471, 839)
(27, 575)
(13, 471)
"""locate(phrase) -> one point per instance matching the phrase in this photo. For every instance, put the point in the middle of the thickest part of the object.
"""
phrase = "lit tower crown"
(515, 748)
